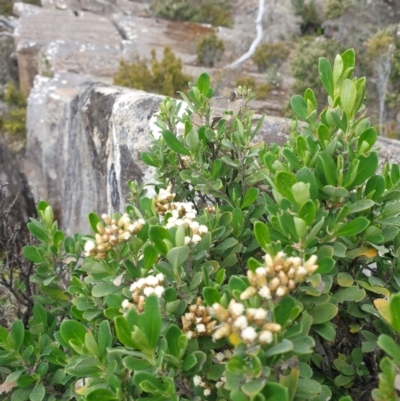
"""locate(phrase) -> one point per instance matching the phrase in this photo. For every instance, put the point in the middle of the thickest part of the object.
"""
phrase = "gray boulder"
(83, 145)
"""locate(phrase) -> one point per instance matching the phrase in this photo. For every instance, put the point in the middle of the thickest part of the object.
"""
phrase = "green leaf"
(281, 348)
(38, 393)
(283, 309)
(124, 332)
(307, 388)
(31, 253)
(307, 176)
(250, 197)
(150, 256)
(337, 69)
(366, 168)
(348, 294)
(103, 289)
(325, 265)
(72, 330)
(176, 256)
(17, 334)
(104, 338)
(291, 158)
(237, 221)
(94, 219)
(152, 320)
(172, 336)
(325, 330)
(356, 226)
(141, 377)
(307, 212)
(394, 307)
(149, 159)
(253, 387)
(361, 205)
(275, 392)
(323, 313)
(174, 143)
(299, 106)
(192, 140)
(36, 228)
(211, 295)
(284, 182)
(301, 192)
(329, 168)
(135, 364)
(100, 394)
(348, 95)
(262, 235)
(303, 345)
(388, 345)
(367, 137)
(203, 83)
(157, 235)
(326, 75)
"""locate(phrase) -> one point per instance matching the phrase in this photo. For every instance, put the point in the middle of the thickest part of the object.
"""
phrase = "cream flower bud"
(223, 331)
(274, 284)
(265, 337)
(281, 291)
(248, 293)
(273, 327)
(249, 334)
(221, 313)
(241, 322)
(235, 308)
(265, 292)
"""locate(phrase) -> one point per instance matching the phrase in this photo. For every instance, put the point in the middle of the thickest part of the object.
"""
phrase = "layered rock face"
(85, 146)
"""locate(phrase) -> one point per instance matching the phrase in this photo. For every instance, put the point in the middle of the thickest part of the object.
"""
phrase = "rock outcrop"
(16, 189)
(85, 145)
(48, 41)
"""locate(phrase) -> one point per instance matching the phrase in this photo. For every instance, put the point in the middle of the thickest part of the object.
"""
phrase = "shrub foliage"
(209, 50)
(255, 273)
(164, 77)
(214, 12)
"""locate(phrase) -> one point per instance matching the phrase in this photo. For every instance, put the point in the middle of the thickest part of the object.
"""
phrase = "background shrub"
(270, 55)
(216, 13)
(305, 63)
(261, 91)
(335, 8)
(14, 119)
(209, 50)
(164, 77)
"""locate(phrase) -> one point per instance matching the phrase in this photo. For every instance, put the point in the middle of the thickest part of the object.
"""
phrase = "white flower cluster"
(197, 322)
(142, 288)
(222, 356)
(182, 214)
(278, 276)
(250, 324)
(111, 233)
(199, 382)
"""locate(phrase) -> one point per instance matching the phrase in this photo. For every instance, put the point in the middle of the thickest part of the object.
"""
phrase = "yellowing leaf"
(363, 251)
(383, 308)
(234, 339)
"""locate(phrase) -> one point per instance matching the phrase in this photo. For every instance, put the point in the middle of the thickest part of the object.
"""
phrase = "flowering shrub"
(255, 273)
